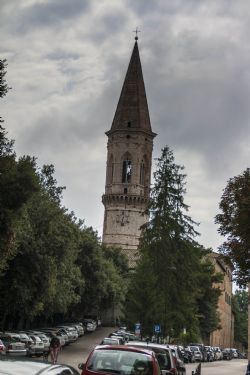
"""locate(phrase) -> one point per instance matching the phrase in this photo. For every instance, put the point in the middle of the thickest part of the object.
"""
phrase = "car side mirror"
(81, 365)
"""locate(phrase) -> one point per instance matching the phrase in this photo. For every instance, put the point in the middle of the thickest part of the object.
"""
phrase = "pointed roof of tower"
(132, 109)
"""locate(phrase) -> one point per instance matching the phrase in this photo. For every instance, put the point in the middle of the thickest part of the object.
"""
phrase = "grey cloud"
(195, 59)
(62, 55)
(107, 24)
(47, 14)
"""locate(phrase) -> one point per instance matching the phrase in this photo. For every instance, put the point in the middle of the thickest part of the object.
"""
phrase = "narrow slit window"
(142, 173)
(112, 171)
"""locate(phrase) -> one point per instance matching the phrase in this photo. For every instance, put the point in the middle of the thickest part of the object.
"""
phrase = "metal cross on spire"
(136, 31)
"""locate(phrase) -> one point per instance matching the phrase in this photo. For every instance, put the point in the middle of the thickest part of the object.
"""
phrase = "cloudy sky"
(66, 64)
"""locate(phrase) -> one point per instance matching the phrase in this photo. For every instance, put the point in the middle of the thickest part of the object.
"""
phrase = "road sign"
(137, 326)
(137, 329)
(157, 328)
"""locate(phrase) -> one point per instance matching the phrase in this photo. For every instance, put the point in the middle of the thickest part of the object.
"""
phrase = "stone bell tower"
(129, 159)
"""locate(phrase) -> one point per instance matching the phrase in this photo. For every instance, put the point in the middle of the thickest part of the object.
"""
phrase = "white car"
(52, 332)
(90, 325)
(70, 331)
(13, 344)
(234, 353)
(197, 352)
(36, 347)
(218, 353)
(45, 339)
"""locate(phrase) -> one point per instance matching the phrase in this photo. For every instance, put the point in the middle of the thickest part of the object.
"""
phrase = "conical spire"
(132, 109)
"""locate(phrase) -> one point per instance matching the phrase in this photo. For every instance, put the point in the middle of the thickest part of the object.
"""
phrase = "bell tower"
(128, 169)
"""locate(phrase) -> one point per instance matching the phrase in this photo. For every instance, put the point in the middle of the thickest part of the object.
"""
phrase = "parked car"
(242, 355)
(197, 352)
(24, 337)
(50, 333)
(78, 327)
(210, 353)
(203, 352)
(120, 359)
(36, 347)
(71, 332)
(30, 367)
(188, 355)
(178, 358)
(2, 348)
(227, 354)
(234, 353)
(90, 325)
(128, 336)
(112, 341)
(45, 339)
(218, 353)
(94, 317)
(13, 345)
(118, 337)
(163, 354)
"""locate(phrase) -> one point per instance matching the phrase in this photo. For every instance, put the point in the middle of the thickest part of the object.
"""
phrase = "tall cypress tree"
(170, 267)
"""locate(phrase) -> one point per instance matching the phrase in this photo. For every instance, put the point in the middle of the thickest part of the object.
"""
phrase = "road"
(78, 352)
(234, 367)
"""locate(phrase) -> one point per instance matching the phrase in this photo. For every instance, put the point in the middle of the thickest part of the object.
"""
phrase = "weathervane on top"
(136, 31)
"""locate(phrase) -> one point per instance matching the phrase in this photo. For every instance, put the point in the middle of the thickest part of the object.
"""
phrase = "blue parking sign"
(157, 328)
(137, 326)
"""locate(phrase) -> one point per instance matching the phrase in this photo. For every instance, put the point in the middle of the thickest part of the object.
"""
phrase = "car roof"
(10, 366)
(145, 343)
(124, 348)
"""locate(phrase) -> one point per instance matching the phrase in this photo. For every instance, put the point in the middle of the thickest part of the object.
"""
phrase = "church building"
(128, 169)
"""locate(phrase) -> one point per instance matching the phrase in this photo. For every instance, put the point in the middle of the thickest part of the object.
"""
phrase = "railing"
(198, 370)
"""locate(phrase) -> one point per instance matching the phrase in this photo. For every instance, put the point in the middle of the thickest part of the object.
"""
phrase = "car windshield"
(110, 341)
(121, 362)
(194, 348)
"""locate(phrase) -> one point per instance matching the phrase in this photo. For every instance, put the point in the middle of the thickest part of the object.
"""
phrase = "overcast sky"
(67, 60)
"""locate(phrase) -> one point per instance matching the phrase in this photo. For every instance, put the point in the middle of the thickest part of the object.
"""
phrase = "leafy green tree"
(18, 182)
(42, 278)
(207, 298)
(240, 310)
(234, 224)
(103, 271)
(3, 85)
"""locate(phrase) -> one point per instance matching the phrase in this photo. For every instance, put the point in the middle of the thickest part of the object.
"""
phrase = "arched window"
(126, 171)
(142, 172)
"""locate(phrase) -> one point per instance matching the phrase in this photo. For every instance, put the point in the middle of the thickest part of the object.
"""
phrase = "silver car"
(70, 331)
(13, 344)
(36, 347)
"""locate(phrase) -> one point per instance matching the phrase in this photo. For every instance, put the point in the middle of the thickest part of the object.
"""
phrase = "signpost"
(137, 329)
(157, 328)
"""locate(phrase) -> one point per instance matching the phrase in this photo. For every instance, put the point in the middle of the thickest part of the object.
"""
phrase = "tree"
(18, 182)
(234, 223)
(42, 277)
(3, 85)
(171, 267)
(103, 271)
(240, 305)
(4, 88)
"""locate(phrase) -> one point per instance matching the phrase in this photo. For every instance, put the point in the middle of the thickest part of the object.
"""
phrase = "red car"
(120, 359)
(2, 348)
